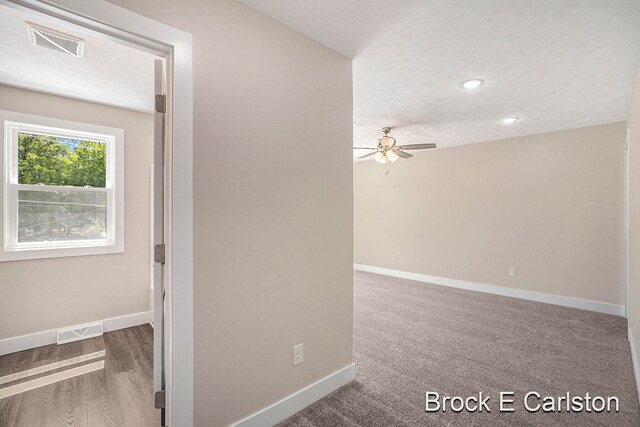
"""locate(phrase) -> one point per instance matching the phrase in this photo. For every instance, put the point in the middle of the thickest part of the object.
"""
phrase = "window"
(63, 188)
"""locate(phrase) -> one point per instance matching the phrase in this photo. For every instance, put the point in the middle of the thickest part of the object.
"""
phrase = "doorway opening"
(104, 222)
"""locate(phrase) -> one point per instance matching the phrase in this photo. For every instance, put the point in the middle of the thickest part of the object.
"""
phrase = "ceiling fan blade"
(367, 155)
(365, 148)
(417, 146)
(403, 154)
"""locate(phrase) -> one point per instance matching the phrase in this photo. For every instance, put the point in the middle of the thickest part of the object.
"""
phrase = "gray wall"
(273, 233)
(550, 205)
(43, 294)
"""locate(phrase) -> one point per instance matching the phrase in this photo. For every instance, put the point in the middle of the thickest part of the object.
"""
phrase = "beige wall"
(550, 205)
(273, 234)
(633, 123)
(43, 294)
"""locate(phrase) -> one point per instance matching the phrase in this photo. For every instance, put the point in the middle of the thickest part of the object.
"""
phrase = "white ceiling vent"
(55, 40)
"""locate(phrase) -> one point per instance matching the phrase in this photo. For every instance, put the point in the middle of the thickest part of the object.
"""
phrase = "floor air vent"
(55, 40)
(80, 332)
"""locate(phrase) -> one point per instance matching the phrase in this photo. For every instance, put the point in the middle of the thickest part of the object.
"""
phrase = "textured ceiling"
(109, 73)
(556, 64)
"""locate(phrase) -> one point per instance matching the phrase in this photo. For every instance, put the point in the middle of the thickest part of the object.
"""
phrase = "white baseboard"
(600, 307)
(38, 339)
(128, 321)
(634, 359)
(299, 400)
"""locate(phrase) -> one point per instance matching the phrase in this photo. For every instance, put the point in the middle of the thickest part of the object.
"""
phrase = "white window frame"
(14, 123)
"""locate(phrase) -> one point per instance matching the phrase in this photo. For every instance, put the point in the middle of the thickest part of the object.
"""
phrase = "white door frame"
(124, 26)
(627, 150)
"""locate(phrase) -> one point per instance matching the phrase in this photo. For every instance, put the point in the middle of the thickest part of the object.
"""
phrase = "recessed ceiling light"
(510, 120)
(472, 84)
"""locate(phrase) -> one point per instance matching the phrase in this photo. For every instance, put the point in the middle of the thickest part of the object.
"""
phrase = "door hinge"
(158, 253)
(160, 399)
(161, 103)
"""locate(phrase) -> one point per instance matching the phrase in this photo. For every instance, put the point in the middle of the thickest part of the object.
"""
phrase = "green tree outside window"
(50, 160)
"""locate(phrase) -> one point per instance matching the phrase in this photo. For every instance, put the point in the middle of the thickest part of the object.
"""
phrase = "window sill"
(39, 252)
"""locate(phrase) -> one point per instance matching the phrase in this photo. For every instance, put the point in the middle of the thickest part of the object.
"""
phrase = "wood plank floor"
(121, 394)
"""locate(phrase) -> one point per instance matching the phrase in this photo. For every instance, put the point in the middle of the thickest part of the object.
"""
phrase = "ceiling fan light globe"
(380, 157)
(392, 156)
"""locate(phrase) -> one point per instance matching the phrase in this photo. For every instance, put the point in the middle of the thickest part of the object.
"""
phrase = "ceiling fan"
(387, 150)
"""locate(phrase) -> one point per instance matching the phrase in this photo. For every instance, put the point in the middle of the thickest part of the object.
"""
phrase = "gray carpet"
(411, 337)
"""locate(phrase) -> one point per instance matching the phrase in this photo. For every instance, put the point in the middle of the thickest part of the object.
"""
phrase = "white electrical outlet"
(512, 271)
(394, 257)
(298, 354)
